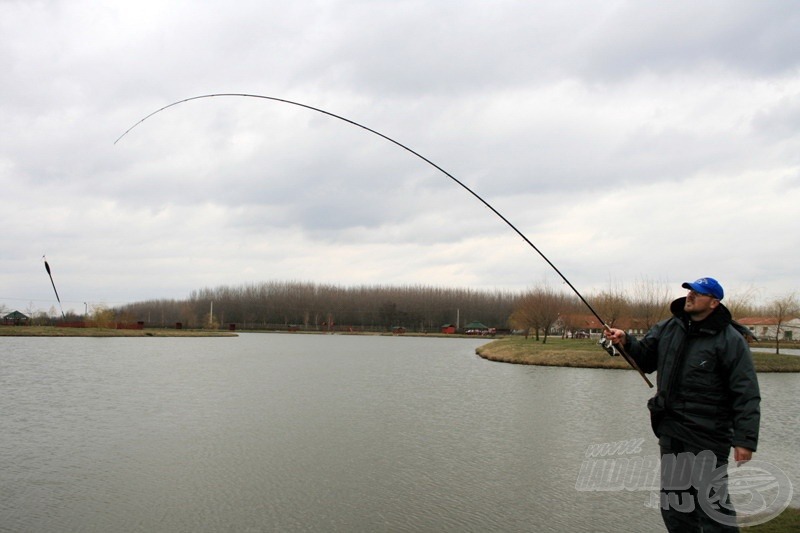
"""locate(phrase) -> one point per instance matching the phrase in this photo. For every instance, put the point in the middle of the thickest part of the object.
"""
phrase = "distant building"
(766, 328)
(15, 318)
(579, 326)
(448, 329)
(477, 328)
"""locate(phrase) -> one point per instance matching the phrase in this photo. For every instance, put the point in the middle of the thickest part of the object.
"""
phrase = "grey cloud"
(758, 38)
(779, 122)
(540, 107)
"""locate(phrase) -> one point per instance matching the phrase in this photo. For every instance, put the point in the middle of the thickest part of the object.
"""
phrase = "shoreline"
(54, 331)
(587, 354)
(570, 353)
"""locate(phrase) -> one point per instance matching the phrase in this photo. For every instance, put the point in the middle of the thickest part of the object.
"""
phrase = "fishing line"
(47, 268)
(434, 165)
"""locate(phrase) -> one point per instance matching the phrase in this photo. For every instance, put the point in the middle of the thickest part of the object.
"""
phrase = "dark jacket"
(708, 392)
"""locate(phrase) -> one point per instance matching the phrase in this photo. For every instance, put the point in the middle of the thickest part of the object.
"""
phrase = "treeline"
(314, 306)
(419, 308)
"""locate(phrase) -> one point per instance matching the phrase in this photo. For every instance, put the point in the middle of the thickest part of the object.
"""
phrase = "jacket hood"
(713, 323)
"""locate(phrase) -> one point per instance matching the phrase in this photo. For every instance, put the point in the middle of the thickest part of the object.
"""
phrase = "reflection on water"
(269, 432)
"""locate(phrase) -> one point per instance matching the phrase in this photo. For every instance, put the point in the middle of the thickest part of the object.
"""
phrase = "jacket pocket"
(700, 372)
(657, 407)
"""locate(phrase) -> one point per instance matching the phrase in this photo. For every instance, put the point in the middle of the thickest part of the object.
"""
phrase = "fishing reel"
(613, 351)
(609, 347)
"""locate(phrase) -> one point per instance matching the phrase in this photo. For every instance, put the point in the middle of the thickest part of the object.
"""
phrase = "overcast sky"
(627, 140)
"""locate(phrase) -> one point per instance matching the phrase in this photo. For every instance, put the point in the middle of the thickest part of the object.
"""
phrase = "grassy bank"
(787, 521)
(587, 354)
(51, 331)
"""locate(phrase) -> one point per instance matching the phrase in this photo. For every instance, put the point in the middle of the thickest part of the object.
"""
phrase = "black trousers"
(694, 489)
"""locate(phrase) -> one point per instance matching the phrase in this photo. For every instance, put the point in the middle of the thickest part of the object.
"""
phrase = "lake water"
(281, 432)
(784, 351)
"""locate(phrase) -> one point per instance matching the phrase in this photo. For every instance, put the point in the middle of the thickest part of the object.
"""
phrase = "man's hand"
(742, 455)
(616, 336)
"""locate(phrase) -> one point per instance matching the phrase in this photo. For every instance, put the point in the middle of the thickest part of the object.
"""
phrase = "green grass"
(788, 521)
(588, 354)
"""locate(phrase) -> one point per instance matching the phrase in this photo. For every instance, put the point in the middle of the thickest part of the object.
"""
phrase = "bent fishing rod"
(49, 273)
(612, 349)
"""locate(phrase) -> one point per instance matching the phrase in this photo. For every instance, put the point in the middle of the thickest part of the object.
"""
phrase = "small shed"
(15, 318)
(476, 328)
(448, 329)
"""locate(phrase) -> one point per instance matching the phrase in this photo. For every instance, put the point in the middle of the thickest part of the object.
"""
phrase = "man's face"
(699, 305)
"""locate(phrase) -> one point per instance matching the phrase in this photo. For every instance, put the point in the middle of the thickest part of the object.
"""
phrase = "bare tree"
(31, 310)
(277, 304)
(740, 303)
(649, 302)
(103, 317)
(611, 305)
(783, 310)
(539, 310)
(524, 317)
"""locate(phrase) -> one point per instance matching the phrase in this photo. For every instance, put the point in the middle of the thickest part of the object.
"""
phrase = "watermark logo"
(757, 490)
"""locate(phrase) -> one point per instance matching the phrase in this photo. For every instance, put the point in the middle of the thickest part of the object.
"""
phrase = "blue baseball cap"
(706, 286)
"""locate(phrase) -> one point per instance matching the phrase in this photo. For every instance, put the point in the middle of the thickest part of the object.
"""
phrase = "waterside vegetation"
(788, 521)
(586, 353)
(542, 311)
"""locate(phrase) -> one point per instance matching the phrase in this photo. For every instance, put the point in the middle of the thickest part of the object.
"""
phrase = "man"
(707, 401)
